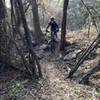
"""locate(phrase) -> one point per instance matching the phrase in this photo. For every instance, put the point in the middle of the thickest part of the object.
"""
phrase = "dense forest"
(49, 49)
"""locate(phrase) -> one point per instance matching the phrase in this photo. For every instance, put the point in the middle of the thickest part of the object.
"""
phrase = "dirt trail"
(54, 86)
(58, 86)
(63, 89)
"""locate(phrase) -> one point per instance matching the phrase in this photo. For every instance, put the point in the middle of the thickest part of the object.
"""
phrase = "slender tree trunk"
(28, 39)
(15, 19)
(64, 22)
(37, 29)
(18, 17)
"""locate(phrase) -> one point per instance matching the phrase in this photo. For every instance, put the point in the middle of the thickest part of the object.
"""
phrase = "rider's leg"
(52, 42)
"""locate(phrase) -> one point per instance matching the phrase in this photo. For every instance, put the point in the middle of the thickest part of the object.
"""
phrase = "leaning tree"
(33, 61)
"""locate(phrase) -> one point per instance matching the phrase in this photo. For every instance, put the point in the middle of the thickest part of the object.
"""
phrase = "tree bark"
(37, 29)
(64, 22)
(28, 39)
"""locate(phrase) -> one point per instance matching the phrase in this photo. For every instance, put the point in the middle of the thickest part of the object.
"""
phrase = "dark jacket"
(53, 26)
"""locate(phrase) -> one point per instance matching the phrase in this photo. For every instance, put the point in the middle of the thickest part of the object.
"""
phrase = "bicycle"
(53, 40)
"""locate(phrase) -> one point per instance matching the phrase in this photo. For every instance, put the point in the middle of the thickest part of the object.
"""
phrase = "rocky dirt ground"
(53, 85)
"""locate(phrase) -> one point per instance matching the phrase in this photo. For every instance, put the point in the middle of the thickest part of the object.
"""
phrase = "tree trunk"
(64, 22)
(37, 29)
(85, 79)
(4, 47)
(28, 39)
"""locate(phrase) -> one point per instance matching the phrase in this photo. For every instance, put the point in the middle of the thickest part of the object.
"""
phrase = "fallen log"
(85, 54)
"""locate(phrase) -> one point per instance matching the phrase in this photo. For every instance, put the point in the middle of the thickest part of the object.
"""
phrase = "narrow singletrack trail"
(60, 88)
(54, 85)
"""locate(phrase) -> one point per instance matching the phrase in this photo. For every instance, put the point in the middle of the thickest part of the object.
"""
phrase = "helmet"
(52, 18)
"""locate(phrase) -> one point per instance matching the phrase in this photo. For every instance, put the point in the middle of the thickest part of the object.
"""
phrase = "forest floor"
(53, 85)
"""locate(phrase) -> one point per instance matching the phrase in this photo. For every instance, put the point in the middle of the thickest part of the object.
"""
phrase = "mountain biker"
(53, 29)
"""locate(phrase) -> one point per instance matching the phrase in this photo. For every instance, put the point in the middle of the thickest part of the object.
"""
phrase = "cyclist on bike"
(53, 29)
